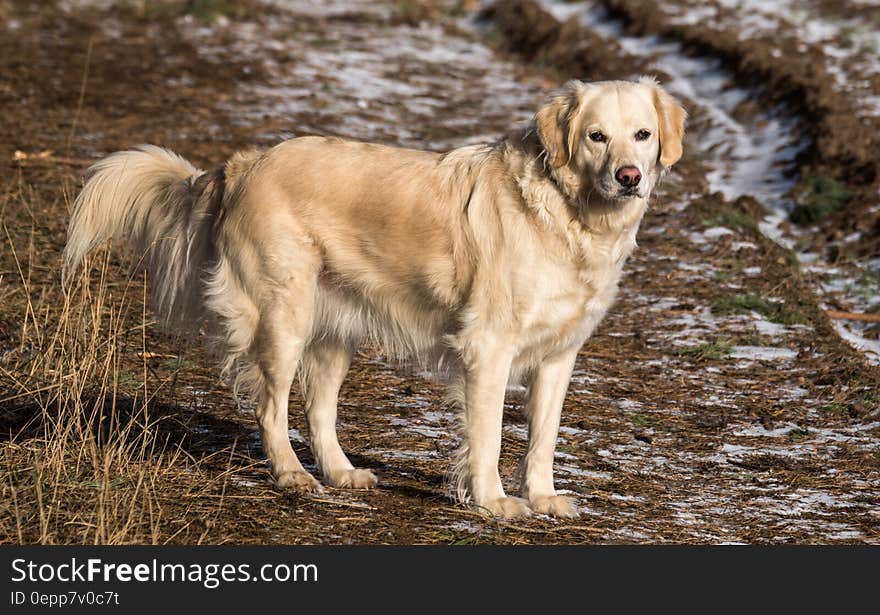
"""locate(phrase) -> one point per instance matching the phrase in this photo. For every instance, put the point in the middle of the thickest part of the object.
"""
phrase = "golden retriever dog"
(491, 263)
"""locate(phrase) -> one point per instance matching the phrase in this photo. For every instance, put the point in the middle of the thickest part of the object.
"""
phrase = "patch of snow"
(626, 498)
(628, 404)
(762, 353)
(246, 482)
(401, 454)
(870, 347)
(762, 432)
(571, 470)
(518, 431)
(765, 327)
(755, 158)
(717, 231)
(572, 431)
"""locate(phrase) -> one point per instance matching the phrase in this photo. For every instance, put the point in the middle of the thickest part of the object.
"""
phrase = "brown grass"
(86, 458)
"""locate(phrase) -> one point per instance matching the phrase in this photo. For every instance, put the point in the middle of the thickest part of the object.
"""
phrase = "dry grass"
(87, 457)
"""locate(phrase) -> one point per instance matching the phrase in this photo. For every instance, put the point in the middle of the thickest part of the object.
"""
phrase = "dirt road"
(717, 403)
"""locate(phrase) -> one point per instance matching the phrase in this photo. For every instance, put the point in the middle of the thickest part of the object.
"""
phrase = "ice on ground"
(403, 454)
(717, 231)
(754, 157)
(800, 502)
(850, 44)
(429, 431)
(571, 470)
(870, 347)
(428, 423)
(765, 327)
(763, 432)
(375, 83)
(626, 498)
(695, 267)
(245, 482)
(698, 326)
(572, 431)
(762, 353)
(628, 404)
(739, 451)
(857, 435)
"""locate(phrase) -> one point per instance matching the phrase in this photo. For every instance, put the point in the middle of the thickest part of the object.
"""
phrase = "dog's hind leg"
(284, 324)
(325, 364)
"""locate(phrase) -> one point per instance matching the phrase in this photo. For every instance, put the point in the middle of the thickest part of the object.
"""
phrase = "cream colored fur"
(492, 263)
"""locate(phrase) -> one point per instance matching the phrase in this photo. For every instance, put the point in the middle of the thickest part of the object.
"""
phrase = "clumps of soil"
(843, 158)
(845, 145)
(105, 51)
(523, 28)
(793, 76)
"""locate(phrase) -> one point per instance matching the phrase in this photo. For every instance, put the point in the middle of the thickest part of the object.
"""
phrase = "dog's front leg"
(487, 372)
(543, 408)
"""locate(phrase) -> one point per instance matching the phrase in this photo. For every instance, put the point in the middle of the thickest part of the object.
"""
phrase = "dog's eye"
(597, 136)
(642, 135)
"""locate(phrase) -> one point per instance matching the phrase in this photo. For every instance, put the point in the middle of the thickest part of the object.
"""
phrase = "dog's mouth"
(622, 194)
(612, 192)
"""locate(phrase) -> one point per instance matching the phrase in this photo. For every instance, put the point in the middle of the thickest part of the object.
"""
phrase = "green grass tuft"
(778, 312)
(176, 363)
(114, 483)
(205, 10)
(460, 538)
(128, 380)
(713, 351)
(836, 407)
(817, 197)
(733, 219)
(640, 420)
(869, 396)
(797, 434)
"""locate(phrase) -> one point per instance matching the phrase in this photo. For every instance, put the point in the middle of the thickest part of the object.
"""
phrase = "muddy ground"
(717, 402)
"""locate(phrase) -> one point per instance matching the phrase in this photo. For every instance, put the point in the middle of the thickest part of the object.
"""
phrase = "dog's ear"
(671, 117)
(555, 124)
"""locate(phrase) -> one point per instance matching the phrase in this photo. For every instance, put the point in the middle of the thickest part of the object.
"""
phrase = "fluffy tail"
(161, 207)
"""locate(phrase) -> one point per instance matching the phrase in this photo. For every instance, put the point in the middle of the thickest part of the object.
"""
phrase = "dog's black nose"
(628, 176)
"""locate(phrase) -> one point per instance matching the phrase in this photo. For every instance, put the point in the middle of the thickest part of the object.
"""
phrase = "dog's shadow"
(208, 437)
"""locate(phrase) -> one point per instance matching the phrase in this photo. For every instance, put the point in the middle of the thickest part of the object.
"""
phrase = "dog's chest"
(569, 298)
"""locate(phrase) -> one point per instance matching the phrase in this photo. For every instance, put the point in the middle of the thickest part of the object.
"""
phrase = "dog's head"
(611, 139)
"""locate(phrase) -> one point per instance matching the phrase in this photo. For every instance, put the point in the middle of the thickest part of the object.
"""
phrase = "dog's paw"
(298, 481)
(507, 507)
(352, 479)
(555, 506)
